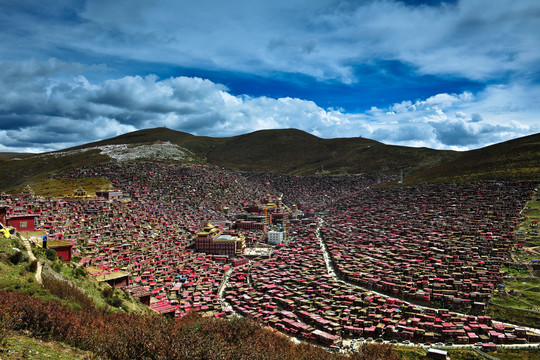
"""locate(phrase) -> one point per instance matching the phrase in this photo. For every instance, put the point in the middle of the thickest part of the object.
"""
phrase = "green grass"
(418, 353)
(411, 353)
(532, 210)
(522, 290)
(67, 186)
(512, 354)
(522, 286)
(33, 169)
(514, 160)
(513, 315)
(464, 355)
(18, 278)
(18, 346)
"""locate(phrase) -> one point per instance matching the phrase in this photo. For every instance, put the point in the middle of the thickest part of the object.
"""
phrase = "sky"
(455, 75)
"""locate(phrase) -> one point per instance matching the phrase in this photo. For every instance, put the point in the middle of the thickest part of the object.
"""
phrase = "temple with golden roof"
(213, 240)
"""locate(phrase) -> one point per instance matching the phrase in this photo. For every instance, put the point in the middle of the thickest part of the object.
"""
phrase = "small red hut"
(23, 222)
(63, 249)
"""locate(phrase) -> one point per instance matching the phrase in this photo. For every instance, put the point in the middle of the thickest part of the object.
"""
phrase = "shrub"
(51, 254)
(80, 272)
(122, 336)
(6, 323)
(67, 291)
(114, 301)
(17, 257)
(108, 292)
(56, 266)
(32, 267)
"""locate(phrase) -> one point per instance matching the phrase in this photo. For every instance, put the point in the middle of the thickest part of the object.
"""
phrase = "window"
(23, 224)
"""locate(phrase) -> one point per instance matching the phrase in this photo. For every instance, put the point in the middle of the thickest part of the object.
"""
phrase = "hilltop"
(287, 151)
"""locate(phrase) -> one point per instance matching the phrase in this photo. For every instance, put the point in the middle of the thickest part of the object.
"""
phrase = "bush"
(80, 272)
(114, 301)
(56, 266)
(51, 254)
(67, 291)
(17, 257)
(108, 292)
(122, 336)
(6, 323)
(32, 267)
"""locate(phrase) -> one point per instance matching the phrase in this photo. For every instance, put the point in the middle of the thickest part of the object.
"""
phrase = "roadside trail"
(31, 256)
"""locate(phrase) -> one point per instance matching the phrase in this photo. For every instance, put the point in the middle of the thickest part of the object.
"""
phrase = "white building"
(276, 237)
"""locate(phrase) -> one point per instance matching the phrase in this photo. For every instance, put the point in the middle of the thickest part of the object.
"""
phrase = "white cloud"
(461, 121)
(476, 39)
(52, 111)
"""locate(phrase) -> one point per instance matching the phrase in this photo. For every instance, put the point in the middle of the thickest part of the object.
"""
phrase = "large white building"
(276, 237)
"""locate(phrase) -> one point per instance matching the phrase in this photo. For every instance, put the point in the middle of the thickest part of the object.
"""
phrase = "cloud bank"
(46, 106)
(442, 74)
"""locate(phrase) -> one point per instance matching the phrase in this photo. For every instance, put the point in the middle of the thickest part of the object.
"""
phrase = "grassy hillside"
(296, 152)
(66, 186)
(517, 159)
(12, 155)
(16, 173)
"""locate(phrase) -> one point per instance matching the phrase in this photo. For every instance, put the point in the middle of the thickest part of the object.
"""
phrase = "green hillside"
(36, 168)
(517, 159)
(294, 151)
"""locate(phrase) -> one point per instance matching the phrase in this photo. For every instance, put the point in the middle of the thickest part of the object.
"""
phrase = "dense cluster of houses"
(442, 246)
(293, 293)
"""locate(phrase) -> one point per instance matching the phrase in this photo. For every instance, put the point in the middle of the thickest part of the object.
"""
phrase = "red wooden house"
(23, 222)
(63, 249)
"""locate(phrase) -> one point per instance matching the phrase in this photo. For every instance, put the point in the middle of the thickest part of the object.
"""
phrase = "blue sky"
(443, 74)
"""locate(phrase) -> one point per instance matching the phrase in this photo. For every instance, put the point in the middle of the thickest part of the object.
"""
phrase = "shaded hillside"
(517, 159)
(35, 168)
(294, 152)
(14, 155)
(291, 151)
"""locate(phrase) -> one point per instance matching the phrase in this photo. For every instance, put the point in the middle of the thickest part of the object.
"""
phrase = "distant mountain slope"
(288, 151)
(13, 155)
(291, 151)
(37, 167)
(517, 159)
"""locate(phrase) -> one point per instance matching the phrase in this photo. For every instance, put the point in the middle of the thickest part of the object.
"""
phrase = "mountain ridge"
(291, 151)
